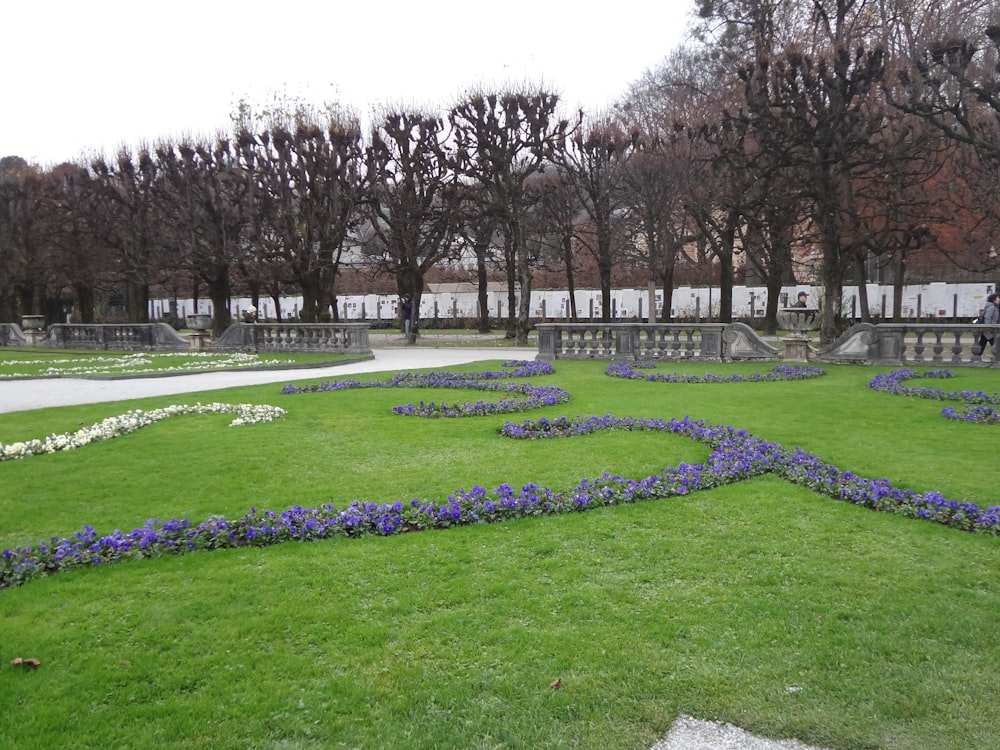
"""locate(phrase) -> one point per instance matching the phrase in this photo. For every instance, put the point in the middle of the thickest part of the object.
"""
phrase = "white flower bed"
(138, 364)
(124, 424)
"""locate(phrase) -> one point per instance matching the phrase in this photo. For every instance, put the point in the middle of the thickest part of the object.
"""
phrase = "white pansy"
(129, 422)
(138, 364)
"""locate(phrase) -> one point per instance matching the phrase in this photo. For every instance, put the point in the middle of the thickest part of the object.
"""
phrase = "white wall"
(933, 300)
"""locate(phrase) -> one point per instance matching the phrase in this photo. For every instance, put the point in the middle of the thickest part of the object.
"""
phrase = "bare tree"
(80, 260)
(16, 284)
(655, 194)
(412, 198)
(558, 224)
(821, 104)
(595, 161)
(132, 225)
(478, 219)
(954, 79)
(204, 197)
(312, 176)
(502, 139)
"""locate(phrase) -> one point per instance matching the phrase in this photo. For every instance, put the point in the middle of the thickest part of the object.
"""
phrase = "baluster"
(918, 349)
(956, 349)
(938, 347)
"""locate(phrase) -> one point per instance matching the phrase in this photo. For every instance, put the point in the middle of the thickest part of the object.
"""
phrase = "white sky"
(78, 77)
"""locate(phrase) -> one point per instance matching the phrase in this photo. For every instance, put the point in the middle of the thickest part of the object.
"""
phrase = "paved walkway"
(21, 395)
(687, 733)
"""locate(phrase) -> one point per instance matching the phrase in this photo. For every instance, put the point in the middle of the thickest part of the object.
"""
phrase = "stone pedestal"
(33, 328)
(199, 340)
(796, 348)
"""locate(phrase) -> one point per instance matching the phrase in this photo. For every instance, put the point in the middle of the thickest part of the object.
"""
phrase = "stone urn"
(798, 320)
(32, 322)
(199, 322)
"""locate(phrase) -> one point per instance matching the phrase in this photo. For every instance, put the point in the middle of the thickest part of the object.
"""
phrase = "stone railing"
(945, 344)
(117, 336)
(344, 338)
(12, 335)
(705, 341)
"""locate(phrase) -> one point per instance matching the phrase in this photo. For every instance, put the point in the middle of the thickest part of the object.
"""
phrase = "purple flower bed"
(735, 455)
(532, 397)
(630, 371)
(975, 410)
(740, 455)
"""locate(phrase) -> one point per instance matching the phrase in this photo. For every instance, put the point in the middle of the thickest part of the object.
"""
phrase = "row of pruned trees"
(844, 132)
(858, 132)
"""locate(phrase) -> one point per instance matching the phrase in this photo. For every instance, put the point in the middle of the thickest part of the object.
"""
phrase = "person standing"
(801, 301)
(991, 317)
(406, 305)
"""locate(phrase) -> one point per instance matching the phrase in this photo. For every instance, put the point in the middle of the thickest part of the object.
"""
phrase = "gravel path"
(688, 733)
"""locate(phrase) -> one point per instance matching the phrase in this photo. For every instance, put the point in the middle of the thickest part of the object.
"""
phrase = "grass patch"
(759, 603)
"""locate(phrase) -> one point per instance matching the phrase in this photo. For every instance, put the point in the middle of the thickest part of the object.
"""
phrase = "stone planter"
(32, 322)
(199, 322)
(798, 319)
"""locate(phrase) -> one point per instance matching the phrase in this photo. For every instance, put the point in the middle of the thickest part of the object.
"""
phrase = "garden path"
(37, 393)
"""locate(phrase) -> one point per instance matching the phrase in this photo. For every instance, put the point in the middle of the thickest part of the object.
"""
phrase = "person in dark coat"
(406, 304)
(991, 317)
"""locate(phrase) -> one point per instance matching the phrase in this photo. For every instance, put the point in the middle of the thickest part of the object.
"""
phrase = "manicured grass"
(759, 603)
(29, 362)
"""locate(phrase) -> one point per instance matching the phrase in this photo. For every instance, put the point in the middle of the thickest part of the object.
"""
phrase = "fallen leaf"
(555, 684)
(19, 662)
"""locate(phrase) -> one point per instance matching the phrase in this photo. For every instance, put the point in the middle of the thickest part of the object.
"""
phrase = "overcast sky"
(79, 77)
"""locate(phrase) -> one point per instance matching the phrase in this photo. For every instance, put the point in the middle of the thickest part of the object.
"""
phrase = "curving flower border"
(735, 455)
(533, 397)
(630, 371)
(131, 421)
(976, 407)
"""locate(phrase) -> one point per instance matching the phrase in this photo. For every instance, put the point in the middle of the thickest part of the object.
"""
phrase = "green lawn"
(760, 603)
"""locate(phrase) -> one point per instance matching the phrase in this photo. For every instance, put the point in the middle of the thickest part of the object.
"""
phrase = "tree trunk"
(773, 286)
(567, 252)
(525, 276)
(84, 303)
(833, 291)
(863, 291)
(218, 292)
(511, 300)
(899, 278)
(137, 301)
(310, 300)
(605, 273)
(667, 284)
(483, 291)
(726, 276)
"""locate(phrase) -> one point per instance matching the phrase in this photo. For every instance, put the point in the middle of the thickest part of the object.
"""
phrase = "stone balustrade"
(705, 341)
(944, 344)
(934, 344)
(344, 338)
(116, 336)
(12, 335)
